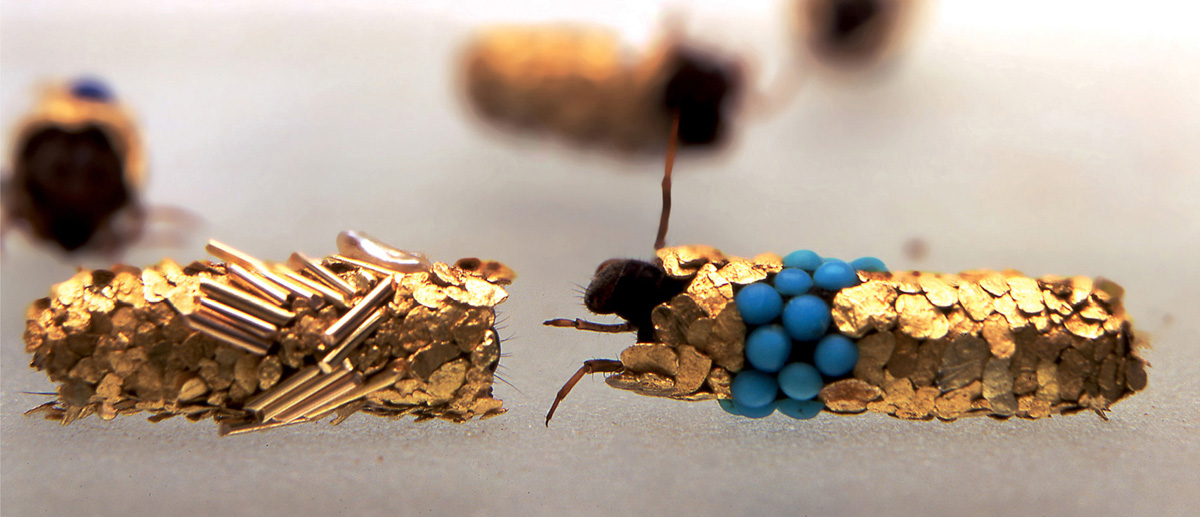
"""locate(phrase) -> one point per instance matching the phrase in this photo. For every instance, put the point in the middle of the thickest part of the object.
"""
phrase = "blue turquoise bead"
(93, 89)
(835, 355)
(754, 412)
(806, 317)
(800, 409)
(728, 406)
(758, 303)
(768, 348)
(799, 381)
(793, 282)
(807, 260)
(835, 275)
(754, 389)
(870, 264)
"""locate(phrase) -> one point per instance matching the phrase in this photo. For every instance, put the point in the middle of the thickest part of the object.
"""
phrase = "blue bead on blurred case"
(835, 355)
(758, 303)
(835, 275)
(793, 282)
(768, 348)
(89, 88)
(799, 381)
(870, 264)
(807, 260)
(754, 389)
(806, 317)
(754, 412)
(800, 409)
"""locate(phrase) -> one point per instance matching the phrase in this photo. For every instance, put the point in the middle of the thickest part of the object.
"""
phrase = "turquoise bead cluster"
(791, 347)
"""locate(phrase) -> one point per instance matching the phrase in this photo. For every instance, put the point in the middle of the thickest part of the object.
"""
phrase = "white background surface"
(1048, 139)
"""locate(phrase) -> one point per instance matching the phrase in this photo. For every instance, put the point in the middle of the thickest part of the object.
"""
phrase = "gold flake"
(651, 357)
(741, 271)
(869, 306)
(1056, 304)
(1026, 293)
(1084, 329)
(1006, 306)
(975, 300)
(1081, 289)
(686, 261)
(874, 351)
(693, 368)
(994, 283)
(939, 293)
(710, 290)
(1092, 311)
(999, 336)
(919, 318)
(849, 395)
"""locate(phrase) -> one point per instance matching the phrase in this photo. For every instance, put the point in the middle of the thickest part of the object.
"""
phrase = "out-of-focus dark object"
(580, 83)
(75, 171)
(855, 34)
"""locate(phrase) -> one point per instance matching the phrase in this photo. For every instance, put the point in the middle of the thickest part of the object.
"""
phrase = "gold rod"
(377, 382)
(301, 261)
(364, 265)
(232, 335)
(333, 391)
(246, 302)
(280, 390)
(257, 284)
(354, 318)
(301, 393)
(240, 320)
(326, 292)
(348, 345)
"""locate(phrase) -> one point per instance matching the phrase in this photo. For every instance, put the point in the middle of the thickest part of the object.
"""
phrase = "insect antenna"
(664, 219)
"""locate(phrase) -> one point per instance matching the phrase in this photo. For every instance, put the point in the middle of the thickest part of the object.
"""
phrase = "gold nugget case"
(256, 344)
(929, 345)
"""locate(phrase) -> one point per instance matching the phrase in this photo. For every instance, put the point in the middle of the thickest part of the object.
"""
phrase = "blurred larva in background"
(76, 171)
(583, 84)
(855, 35)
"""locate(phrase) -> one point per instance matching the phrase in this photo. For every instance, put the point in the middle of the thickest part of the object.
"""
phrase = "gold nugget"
(243, 341)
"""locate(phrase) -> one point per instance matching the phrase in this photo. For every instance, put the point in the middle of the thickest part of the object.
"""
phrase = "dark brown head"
(703, 89)
(67, 183)
(631, 289)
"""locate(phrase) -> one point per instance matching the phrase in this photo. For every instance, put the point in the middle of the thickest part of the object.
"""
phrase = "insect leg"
(589, 367)
(661, 240)
(612, 328)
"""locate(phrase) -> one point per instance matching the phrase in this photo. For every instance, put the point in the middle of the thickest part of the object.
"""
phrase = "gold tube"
(329, 393)
(329, 294)
(360, 334)
(234, 429)
(377, 382)
(300, 393)
(231, 255)
(202, 321)
(365, 265)
(301, 261)
(298, 378)
(240, 320)
(299, 291)
(354, 318)
(245, 302)
(257, 284)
